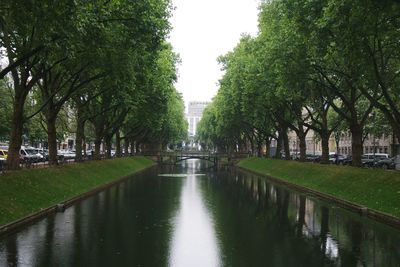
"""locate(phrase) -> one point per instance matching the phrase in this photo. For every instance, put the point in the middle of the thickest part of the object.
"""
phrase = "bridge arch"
(212, 160)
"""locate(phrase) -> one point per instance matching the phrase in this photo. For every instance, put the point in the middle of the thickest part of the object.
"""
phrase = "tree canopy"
(106, 63)
(311, 63)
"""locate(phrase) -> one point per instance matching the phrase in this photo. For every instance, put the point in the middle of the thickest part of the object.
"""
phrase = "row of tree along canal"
(102, 70)
(326, 66)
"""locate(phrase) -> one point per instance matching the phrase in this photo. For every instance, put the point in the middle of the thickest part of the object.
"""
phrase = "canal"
(190, 215)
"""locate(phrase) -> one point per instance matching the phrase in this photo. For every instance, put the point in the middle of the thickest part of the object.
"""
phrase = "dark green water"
(202, 218)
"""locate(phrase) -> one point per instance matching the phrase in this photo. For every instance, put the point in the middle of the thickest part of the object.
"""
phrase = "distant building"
(382, 144)
(195, 111)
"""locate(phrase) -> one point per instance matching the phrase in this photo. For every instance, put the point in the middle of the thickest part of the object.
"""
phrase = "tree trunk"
(278, 146)
(126, 147)
(259, 147)
(80, 133)
(17, 124)
(118, 151)
(242, 146)
(325, 147)
(267, 146)
(337, 141)
(97, 144)
(239, 145)
(356, 143)
(396, 133)
(232, 147)
(107, 140)
(251, 143)
(84, 147)
(137, 147)
(286, 144)
(303, 146)
(132, 143)
(52, 139)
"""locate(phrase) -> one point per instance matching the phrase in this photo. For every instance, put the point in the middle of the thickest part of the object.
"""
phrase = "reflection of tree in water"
(282, 204)
(252, 229)
(49, 237)
(128, 224)
(301, 215)
(267, 194)
(277, 219)
(324, 228)
(79, 240)
(260, 199)
(12, 252)
(256, 223)
(352, 256)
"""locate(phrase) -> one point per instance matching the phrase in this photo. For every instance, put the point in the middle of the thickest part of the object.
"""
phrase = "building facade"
(380, 144)
(193, 116)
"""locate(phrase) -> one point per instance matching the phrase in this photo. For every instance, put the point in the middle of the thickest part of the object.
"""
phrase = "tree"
(63, 47)
(28, 31)
(5, 110)
(318, 65)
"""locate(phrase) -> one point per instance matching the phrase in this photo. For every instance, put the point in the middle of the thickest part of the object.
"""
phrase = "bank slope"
(27, 191)
(375, 189)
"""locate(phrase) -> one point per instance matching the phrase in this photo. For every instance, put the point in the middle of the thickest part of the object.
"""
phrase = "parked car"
(3, 154)
(30, 154)
(295, 155)
(369, 160)
(341, 159)
(89, 153)
(2, 164)
(335, 158)
(66, 154)
(387, 163)
(313, 158)
(44, 152)
(39, 154)
(348, 160)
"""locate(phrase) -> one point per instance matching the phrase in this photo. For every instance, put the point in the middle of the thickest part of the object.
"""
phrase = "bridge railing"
(184, 153)
(232, 155)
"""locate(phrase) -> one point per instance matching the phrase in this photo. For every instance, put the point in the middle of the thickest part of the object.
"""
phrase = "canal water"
(190, 215)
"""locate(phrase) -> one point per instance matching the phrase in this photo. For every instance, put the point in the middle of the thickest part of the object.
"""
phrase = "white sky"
(202, 31)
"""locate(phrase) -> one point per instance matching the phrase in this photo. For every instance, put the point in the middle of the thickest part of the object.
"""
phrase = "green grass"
(375, 189)
(27, 191)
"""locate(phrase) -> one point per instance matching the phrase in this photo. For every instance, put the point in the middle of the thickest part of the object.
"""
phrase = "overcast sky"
(202, 31)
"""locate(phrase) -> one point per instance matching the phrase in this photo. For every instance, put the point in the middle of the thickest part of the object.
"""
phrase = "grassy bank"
(375, 189)
(27, 191)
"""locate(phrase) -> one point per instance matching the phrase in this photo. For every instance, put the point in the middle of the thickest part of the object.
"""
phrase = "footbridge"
(185, 155)
(178, 156)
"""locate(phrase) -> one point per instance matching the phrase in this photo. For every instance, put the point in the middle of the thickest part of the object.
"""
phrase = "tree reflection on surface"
(194, 216)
